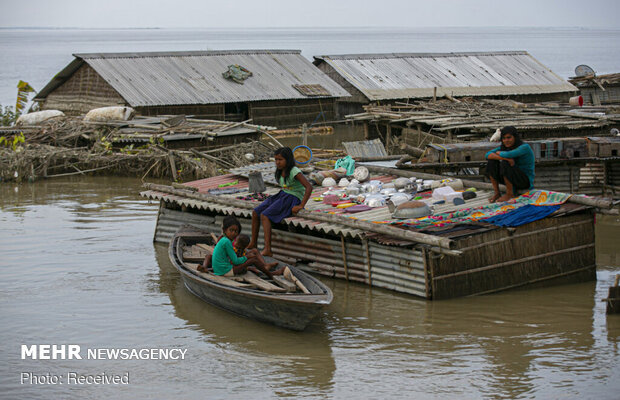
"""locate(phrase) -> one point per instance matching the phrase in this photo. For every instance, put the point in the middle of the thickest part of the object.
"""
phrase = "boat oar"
(289, 275)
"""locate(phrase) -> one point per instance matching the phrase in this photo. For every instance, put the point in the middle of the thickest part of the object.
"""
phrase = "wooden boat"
(279, 302)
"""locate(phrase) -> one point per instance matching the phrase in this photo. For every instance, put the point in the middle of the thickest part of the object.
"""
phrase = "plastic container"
(576, 101)
(302, 154)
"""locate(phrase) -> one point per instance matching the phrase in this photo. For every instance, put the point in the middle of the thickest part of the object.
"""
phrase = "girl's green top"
(292, 185)
(224, 257)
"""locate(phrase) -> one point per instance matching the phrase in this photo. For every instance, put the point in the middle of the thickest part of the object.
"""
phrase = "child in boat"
(296, 191)
(225, 261)
(241, 249)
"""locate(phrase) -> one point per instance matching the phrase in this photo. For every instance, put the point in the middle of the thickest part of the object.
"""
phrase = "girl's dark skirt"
(278, 207)
(498, 169)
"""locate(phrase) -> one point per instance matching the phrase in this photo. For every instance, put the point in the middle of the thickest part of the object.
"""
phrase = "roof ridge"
(188, 53)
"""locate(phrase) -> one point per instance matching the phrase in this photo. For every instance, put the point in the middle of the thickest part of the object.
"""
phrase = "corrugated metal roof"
(176, 78)
(379, 214)
(365, 148)
(414, 75)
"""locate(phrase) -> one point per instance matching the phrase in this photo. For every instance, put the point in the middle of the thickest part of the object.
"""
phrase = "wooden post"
(173, 167)
(366, 129)
(435, 94)
(388, 138)
(427, 274)
(367, 253)
(304, 134)
(613, 298)
(344, 259)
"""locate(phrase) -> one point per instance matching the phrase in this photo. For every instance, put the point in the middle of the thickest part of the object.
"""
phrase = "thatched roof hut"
(279, 87)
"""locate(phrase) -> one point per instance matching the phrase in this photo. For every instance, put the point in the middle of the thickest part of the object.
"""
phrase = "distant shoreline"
(321, 28)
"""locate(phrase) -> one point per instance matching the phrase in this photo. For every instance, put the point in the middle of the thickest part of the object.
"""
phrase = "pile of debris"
(469, 119)
(68, 146)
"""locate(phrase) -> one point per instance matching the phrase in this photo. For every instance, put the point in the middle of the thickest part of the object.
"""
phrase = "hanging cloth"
(347, 163)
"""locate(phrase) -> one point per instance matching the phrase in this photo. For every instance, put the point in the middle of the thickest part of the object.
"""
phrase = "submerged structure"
(271, 87)
(455, 252)
(391, 77)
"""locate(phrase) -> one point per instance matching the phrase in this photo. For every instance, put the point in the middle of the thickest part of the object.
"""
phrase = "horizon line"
(307, 27)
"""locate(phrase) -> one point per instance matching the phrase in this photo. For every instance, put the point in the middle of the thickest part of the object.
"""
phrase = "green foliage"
(128, 149)
(7, 116)
(13, 143)
(153, 140)
(106, 144)
(23, 91)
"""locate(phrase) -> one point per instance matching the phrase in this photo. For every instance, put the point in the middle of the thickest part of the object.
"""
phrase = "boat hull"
(287, 310)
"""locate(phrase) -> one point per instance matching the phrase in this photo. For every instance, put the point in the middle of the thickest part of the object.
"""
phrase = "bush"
(7, 116)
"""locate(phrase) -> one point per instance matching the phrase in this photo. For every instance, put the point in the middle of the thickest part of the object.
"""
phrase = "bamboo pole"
(225, 164)
(315, 216)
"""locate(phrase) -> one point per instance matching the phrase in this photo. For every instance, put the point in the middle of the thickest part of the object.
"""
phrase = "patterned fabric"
(534, 197)
(523, 215)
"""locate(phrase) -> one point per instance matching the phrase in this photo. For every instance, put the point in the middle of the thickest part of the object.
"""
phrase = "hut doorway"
(236, 112)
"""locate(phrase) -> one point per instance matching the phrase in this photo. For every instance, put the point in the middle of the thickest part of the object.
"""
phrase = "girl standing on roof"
(296, 191)
(511, 164)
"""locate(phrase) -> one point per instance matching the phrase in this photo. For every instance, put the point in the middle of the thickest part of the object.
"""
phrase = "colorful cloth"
(522, 215)
(535, 197)
(347, 163)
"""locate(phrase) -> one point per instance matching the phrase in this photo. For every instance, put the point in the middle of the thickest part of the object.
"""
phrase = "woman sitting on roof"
(511, 164)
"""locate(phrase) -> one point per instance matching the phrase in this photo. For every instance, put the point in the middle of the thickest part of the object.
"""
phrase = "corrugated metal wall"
(594, 95)
(391, 267)
(591, 178)
(557, 179)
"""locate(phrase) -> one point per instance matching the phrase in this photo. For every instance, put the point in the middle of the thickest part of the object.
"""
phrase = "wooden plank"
(252, 278)
(219, 279)
(193, 257)
(285, 283)
(205, 247)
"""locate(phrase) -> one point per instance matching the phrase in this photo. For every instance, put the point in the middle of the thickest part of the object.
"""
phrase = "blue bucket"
(302, 154)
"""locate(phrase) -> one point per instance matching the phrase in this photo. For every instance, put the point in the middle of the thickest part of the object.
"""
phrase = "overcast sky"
(307, 13)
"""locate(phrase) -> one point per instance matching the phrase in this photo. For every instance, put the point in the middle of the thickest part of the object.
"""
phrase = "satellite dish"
(584, 70)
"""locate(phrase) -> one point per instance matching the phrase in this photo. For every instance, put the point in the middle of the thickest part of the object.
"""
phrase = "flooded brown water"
(78, 266)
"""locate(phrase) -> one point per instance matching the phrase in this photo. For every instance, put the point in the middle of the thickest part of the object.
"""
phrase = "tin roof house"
(272, 87)
(390, 77)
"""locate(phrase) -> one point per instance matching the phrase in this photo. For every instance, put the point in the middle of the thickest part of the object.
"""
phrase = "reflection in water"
(303, 358)
(77, 265)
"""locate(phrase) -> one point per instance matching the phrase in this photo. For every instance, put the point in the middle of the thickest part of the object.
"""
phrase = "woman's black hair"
(229, 221)
(512, 131)
(287, 154)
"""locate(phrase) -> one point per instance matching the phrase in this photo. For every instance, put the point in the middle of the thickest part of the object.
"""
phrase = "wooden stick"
(81, 172)
(289, 275)
(413, 151)
(226, 164)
